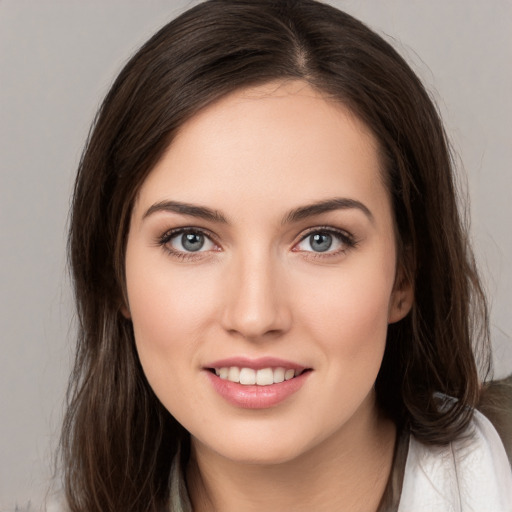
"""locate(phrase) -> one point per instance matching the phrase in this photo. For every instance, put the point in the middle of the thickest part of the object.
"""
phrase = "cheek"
(161, 298)
(167, 309)
(166, 338)
(349, 314)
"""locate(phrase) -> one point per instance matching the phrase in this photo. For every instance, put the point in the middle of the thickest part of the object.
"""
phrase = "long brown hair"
(118, 441)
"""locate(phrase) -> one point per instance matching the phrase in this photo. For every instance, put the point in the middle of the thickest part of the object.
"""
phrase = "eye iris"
(192, 241)
(320, 242)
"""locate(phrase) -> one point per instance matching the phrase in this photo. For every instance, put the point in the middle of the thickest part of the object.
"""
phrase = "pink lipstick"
(256, 383)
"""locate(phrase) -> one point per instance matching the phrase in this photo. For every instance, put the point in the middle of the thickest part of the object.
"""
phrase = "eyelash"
(348, 240)
(164, 240)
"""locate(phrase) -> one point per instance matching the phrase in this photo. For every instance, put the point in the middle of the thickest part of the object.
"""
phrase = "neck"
(347, 471)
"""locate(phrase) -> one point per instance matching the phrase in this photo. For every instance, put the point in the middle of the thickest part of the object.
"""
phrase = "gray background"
(57, 59)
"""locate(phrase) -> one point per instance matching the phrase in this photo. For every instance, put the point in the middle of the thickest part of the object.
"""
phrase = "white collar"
(471, 474)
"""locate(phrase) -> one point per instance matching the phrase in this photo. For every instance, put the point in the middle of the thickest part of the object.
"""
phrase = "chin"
(262, 445)
(269, 455)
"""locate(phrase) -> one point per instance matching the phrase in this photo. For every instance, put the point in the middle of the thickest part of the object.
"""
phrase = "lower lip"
(256, 397)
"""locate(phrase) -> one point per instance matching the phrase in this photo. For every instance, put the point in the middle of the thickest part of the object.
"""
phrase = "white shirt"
(471, 474)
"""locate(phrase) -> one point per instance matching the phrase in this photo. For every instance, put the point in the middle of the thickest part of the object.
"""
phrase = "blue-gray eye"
(190, 241)
(320, 242)
(324, 241)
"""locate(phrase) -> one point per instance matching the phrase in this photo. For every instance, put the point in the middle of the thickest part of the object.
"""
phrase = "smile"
(256, 383)
(261, 377)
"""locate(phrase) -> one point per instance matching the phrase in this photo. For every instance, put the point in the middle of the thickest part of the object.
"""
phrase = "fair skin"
(258, 280)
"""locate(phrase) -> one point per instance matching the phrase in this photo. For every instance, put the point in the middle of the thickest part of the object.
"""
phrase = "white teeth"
(265, 377)
(234, 374)
(261, 377)
(279, 375)
(247, 376)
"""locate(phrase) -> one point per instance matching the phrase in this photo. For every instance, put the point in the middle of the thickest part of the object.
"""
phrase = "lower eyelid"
(184, 255)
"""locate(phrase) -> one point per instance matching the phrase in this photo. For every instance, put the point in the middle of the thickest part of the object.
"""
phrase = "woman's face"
(261, 248)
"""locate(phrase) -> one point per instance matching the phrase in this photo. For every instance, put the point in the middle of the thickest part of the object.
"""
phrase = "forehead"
(281, 143)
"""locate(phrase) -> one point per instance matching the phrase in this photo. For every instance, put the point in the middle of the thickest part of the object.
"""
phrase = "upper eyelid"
(325, 229)
(170, 233)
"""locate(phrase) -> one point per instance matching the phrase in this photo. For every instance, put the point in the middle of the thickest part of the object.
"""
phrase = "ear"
(401, 299)
(125, 312)
(124, 309)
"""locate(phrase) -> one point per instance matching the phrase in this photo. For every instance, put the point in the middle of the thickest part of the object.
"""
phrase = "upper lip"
(256, 364)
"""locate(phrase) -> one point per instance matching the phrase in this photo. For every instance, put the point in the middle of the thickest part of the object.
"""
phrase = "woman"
(277, 302)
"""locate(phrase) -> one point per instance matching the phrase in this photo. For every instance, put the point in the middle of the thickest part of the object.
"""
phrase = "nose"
(256, 303)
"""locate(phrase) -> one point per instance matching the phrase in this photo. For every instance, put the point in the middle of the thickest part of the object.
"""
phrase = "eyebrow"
(295, 215)
(201, 212)
(337, 203)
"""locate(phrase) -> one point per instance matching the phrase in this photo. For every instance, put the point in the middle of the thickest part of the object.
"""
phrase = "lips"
(258, 383)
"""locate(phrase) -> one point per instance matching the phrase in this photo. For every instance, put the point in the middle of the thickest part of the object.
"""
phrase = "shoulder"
(471, 474)
(496, 405)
